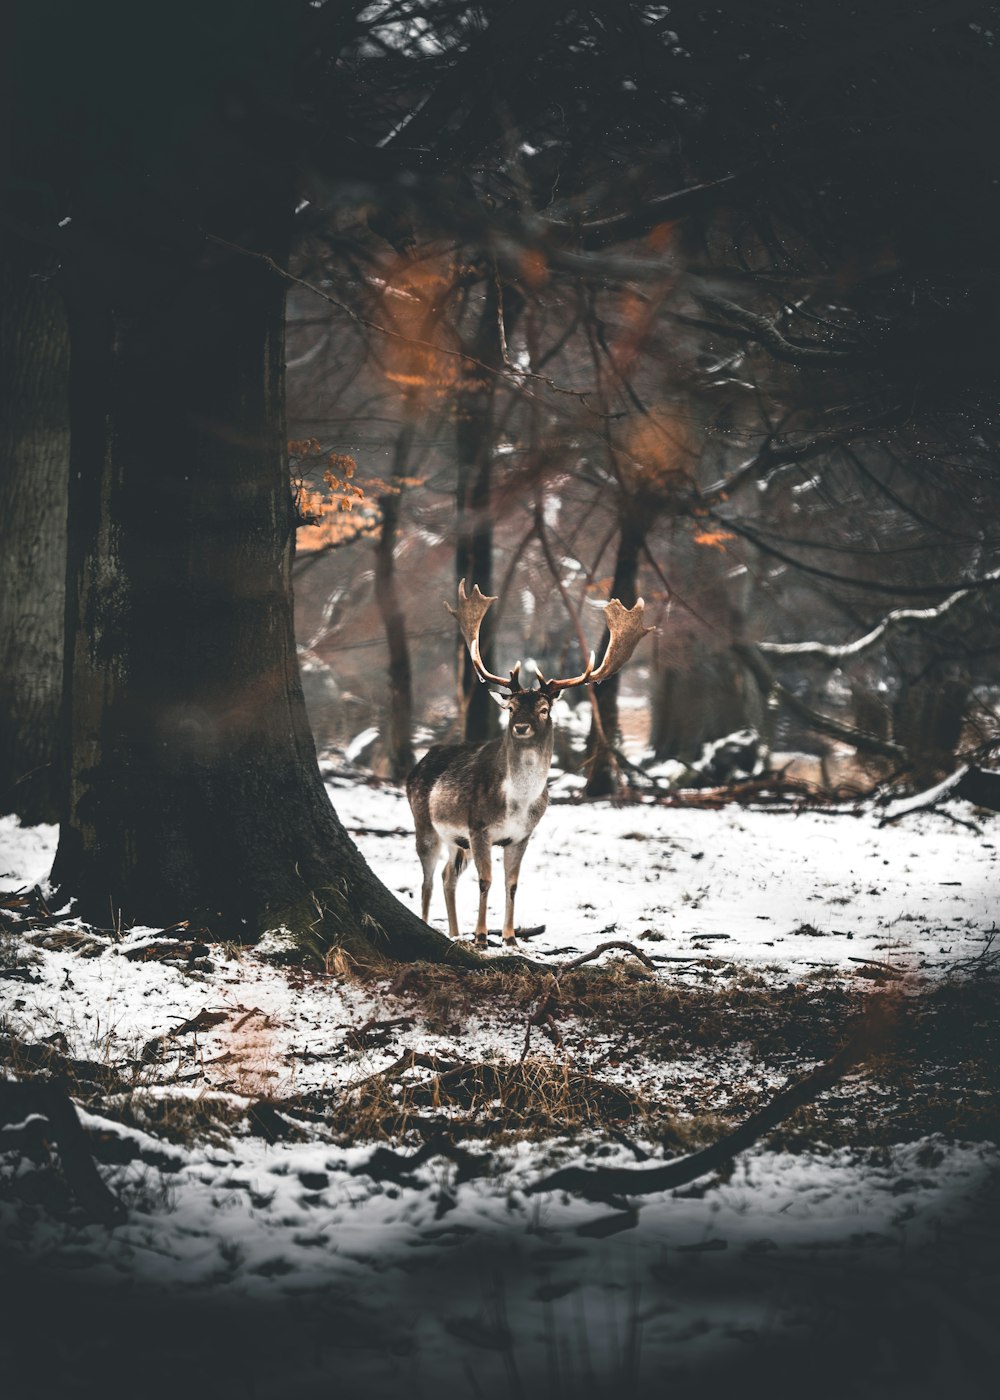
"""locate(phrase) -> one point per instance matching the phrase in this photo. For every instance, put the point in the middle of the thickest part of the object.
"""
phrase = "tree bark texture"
(34, 471)
(710, 698)
(194, 790)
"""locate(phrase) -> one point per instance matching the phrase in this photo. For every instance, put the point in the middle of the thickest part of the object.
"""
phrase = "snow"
(763, 888)
(401, 1285)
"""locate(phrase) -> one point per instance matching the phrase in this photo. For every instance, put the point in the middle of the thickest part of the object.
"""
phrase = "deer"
(467, 798)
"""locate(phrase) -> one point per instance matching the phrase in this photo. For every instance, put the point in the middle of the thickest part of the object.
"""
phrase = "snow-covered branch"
(893, 619)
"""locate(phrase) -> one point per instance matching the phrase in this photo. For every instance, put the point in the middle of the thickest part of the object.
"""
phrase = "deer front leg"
(511, 869)
(453, 867)
(483, 857)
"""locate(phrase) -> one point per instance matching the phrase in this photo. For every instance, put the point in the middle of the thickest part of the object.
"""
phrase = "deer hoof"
(511, 943)
(481, 940)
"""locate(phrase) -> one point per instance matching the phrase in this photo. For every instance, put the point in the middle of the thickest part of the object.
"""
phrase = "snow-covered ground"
(867, 1272)
(761, 888)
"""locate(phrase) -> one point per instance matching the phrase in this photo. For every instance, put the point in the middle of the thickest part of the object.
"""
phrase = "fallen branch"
(979, 786)
(161, 952)
(823, 724)
(204, 1021)
(878, 969)
(604, 1183)
(374, 1027)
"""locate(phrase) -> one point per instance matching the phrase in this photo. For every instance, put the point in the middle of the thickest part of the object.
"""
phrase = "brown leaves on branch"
(325, 516)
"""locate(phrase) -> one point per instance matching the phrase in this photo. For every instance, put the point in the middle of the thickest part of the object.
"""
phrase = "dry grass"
(530, 1099)
(180, 1119)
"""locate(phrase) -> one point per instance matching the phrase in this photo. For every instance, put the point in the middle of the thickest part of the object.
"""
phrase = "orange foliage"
(534, 269)
(713, 539)
(661, 237)
(323, 521)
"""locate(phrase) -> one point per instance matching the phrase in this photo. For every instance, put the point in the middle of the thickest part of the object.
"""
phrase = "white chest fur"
(521, 790)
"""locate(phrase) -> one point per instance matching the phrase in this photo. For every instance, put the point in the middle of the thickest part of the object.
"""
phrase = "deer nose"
(522, 730)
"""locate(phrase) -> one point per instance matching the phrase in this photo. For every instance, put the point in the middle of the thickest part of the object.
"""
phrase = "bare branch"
(891, 620)
(767, 334)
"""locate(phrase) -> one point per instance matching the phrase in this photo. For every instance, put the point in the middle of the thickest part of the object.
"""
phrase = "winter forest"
(634, 366)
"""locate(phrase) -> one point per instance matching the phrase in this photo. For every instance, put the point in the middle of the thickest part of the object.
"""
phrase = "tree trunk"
(927, 720)
(398, 740)
(708, 697)
(603, 778)
(475, 433)
(194, 791)
(34, 472)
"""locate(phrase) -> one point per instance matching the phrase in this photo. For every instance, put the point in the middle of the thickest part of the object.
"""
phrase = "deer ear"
(502, 700)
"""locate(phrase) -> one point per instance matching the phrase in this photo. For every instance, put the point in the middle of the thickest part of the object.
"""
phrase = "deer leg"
(453, 867)
(511, 869)
(428, 851)
(483, 857)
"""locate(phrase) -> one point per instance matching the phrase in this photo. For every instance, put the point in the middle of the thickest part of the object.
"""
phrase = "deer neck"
(527, 761)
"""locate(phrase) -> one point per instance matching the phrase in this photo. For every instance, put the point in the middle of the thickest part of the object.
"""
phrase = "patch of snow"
(26, 852)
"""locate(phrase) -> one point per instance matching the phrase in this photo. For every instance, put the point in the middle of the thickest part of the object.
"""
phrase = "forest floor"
(329, 1176)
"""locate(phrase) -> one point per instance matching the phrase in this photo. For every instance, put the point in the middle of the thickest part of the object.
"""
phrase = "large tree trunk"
(194, 791)
(928, 717)
(34, 472)
(711, 696)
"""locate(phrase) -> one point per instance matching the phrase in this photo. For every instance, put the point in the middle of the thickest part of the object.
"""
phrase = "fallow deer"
(468, 798)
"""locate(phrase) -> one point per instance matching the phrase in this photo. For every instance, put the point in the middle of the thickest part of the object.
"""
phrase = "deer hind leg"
(511, 869)
(483, 857)
(453, 867)
(429, 849)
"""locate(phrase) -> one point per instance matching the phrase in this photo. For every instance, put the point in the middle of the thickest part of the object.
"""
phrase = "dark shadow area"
(860, 1318)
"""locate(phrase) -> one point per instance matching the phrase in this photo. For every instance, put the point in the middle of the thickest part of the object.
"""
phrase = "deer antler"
(470, 613)
(627, 628)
